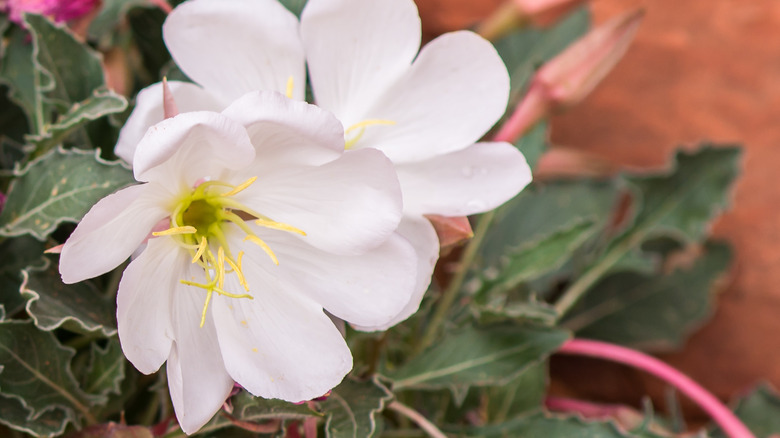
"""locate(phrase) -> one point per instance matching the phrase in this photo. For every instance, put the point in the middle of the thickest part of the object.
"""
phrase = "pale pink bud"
(545, 12)
(566, 79)
(169, 104)
(451, 230)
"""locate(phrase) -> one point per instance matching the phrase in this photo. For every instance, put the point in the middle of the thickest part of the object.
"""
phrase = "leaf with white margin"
(47, 424)
(247, 408)
(60, 186)
(78, 307)
(352, 407)
(37, 373)
(17, 254)
(101, 103)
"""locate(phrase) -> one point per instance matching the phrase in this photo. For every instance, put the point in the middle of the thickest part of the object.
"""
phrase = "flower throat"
(197, 223)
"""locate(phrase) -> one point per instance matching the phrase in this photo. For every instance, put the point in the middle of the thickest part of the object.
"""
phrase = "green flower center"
(198, 224)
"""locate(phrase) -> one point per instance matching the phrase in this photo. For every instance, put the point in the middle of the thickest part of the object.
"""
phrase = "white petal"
(474, 180)
(280, 344)
(346, 206)
(421, 234)
(178, 151)
(110, 232)
(149, 111)
(231, 47)
(197, 379)
(287, 132)
(355, 49)
(144, 303)
(455, 91)
(367, 289)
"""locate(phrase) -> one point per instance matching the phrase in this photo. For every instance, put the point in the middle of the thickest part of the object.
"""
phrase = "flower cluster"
(256, 211)
(59, 10)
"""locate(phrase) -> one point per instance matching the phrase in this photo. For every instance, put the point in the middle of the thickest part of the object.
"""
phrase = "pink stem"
(162, 4)
(719, 412)
(530, 110)
(586, 409)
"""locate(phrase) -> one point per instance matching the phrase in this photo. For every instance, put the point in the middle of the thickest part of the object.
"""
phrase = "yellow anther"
(259, 242)
(290, 86)
(204, 243)
(221, 267)
(241, 187)
(278, 226)
(237, 270)
(176, 231)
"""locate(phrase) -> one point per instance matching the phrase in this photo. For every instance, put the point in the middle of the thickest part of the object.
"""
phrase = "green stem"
(453, 289)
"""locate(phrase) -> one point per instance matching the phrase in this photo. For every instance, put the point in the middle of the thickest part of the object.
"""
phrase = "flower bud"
(566, 79)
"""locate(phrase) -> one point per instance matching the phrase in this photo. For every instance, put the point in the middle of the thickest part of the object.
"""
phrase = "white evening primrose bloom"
(250, 223)
(425, 109)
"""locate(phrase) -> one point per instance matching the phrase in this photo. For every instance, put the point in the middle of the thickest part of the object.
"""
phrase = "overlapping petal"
(474, 180)
(116, 225)
(352, 288)
(280, 344)
(346, 206)
(197, 379)
(356, 49)
(231, 47)
(148, 111)
(178, 151)
(287, 132)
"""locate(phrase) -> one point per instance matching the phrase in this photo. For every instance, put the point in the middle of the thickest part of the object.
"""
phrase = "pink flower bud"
(566, 79)
(545, 12)
(450, 230)
(59, 10)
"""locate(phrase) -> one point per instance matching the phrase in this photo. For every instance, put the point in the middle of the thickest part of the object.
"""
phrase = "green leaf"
(542, 210)
(36, 371)
(13, 122)
(70, 70)
(760, 411)
(113, 430)
(523, 394)
(60, 186)
(534, 143)
(17, 254)
(683, 202)
(351, 408)
(478, 357)
(652, 312)
(525, 50)
(106, 369)
(537, 258)
(101, 103)
(294, 6)
(17, 71)
(111, 14)
(547, 425)
(15, 415)
(78, 307)
(255, 409)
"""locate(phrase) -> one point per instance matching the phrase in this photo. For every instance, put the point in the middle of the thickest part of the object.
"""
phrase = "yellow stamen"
(241, 187)
(176, 230)
(237, 270)
(290, 86)
(221, 267)
(278, 226)
(204, 243)
(259, 242)
(205, 308)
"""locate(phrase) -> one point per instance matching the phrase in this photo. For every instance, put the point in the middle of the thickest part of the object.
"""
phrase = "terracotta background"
(697, 71)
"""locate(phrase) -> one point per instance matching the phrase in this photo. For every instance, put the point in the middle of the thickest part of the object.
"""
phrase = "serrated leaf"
(542, 210)
(78, 307)
(18, 72)
(478, 357)
(36, 371)
(106, 369)
(60, 186)
(525, 50)
(537, 258)
(70, 70)
(17, 254)
(547, 425)
(684, 202)
(759, 411)
(651, 312)
(534, 143)
(351, 408)
(101, 103)
(50, 423)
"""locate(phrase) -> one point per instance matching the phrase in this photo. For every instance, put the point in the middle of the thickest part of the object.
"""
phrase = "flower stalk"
(730, 424)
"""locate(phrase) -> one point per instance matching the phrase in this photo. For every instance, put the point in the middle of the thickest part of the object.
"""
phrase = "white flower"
(424, 110)
(256, 221)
